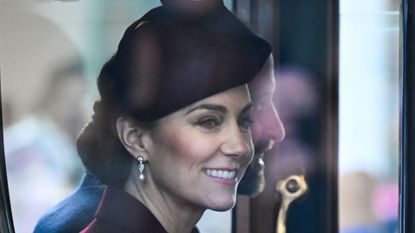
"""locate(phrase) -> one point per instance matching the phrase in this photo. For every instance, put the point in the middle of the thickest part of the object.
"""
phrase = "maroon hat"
(176, 55)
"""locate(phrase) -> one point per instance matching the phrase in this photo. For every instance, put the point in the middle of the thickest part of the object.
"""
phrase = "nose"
(268, 124)
(274, 127)
(237, 144)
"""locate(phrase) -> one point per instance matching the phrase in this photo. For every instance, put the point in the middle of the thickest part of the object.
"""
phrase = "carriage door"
(338, 93)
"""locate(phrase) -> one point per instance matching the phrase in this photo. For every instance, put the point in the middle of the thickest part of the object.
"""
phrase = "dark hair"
(165, 61)
(99, 147)
(101, 151)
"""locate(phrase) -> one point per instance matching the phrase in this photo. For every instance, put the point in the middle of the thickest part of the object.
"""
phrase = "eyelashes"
(212, 123)
(246, 122)
(209, 122)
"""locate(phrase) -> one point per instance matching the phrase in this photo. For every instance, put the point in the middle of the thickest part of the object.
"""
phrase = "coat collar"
(123, 210)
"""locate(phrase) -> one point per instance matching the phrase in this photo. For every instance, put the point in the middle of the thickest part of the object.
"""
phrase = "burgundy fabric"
(119, 212)
(170, 51)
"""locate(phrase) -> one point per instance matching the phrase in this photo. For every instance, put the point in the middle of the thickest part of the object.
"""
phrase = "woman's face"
(198, 154)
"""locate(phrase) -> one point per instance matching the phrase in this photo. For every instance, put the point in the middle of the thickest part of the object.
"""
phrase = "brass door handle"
(291, 188)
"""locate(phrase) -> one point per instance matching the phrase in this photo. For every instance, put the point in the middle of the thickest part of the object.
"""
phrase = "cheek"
(188, 146)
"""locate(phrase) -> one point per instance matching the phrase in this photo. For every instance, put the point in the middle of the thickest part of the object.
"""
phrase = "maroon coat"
(119, 212)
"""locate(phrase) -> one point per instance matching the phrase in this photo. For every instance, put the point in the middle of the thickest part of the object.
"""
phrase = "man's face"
(266, 130)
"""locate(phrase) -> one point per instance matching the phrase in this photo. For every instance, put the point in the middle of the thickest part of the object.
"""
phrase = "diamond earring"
(141, 167)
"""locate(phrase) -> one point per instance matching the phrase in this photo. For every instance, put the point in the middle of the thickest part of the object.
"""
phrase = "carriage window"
(51, 53)
(369, 116)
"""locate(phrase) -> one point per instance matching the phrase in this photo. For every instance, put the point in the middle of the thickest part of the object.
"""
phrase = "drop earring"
(141, 168)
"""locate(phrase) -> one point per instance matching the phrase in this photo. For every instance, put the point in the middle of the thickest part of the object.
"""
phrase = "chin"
(223, 207)
(222, 204)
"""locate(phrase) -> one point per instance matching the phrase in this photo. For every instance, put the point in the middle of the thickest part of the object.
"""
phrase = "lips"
(221, 173)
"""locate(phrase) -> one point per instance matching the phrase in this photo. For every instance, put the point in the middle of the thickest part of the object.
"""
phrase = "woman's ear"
(131, 136)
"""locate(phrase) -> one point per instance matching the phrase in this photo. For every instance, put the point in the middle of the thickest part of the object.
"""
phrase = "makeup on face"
(200, 153)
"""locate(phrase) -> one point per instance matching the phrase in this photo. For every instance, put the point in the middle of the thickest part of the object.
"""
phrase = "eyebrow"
(214, 107)
(218, 108)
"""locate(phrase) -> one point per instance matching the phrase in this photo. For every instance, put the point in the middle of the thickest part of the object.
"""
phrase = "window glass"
(369, 116)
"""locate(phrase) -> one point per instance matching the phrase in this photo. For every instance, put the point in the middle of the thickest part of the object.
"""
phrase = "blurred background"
(51, 53)
(369, 115)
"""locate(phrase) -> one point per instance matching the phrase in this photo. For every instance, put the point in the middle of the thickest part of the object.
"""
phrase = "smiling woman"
(188, 176)
(181, 177)
(165, 154)
(204, 171)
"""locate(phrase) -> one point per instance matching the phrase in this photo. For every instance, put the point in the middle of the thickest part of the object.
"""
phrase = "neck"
(176, 216)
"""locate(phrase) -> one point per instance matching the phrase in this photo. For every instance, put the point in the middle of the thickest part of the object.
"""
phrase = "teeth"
(226, 174)
(223, 174)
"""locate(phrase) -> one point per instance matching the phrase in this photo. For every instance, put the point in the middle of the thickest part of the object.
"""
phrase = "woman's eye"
(246, 122)
(208, 123)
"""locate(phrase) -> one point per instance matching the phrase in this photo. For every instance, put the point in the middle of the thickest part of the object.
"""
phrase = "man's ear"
(131, 136)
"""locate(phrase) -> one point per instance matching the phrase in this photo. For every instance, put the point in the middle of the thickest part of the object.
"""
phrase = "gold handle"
(291, 188)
